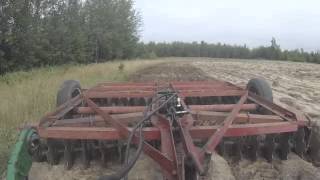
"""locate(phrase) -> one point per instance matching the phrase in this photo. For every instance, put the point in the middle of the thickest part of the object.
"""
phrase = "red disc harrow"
(178, 125)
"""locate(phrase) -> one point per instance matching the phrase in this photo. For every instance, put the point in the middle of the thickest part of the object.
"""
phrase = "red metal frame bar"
(218, 135)
(153, 133)
(182, 93)
(199, 116)
(63, 109)
(285, 114)
(167, 145)
(189, 146)
(152, 88)
(208, 116)
(131, 109)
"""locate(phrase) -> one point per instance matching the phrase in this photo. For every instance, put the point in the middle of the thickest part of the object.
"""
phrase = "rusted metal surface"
(131, 109)
(218, 135)
(282, 112)
(153, 133)
(168, 147)
(95, 115)
(189, 146)
(182, 93)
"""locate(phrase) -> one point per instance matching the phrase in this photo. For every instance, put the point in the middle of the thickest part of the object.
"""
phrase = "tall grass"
(26, 96)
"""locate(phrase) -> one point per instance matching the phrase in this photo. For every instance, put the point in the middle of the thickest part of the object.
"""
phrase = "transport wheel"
(260, 87)
(68, 90)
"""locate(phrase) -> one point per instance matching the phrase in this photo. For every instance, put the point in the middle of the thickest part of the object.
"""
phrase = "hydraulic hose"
(125, 170)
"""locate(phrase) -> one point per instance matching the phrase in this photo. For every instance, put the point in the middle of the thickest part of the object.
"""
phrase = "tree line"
(36, 33)
(219, 50)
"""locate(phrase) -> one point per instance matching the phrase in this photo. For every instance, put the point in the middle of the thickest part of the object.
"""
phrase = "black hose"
(129, 165)
(125, 170)
(140, 124)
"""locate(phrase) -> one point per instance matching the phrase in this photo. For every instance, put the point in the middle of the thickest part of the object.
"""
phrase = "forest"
(219, 50)
(37, 33)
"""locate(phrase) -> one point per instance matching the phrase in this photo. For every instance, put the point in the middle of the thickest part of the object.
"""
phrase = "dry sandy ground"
(294, 84)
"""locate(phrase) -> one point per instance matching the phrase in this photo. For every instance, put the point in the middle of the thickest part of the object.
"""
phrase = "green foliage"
(218, 50)
(35, 33)
(149, 55)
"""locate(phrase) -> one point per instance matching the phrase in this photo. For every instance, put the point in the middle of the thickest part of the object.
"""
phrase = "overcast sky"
(294, 23)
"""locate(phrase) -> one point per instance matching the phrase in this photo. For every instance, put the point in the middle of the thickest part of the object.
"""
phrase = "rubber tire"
(260, 87)
(65, 93)
(68, 90)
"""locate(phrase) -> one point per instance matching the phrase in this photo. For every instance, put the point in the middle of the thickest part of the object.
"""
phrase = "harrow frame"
(93, 122)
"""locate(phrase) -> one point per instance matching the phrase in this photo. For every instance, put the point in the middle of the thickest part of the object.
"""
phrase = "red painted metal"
(218, 135)
(189, 146)
(118, 94)
(112, 109)
(212, 121)
(208, 93)
(222, 107)
(203, 132)
(97, 133)
(131, 109)
(217, 117)
(167, 145)
(284, 113)
(50, 117)
(165, 163)
(153, 133)
(212, 118)
(182, 93)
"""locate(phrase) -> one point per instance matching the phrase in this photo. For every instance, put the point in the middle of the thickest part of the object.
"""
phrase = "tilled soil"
(171, 71)
(294, 84)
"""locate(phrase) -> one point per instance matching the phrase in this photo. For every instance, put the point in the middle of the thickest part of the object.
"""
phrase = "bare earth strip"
(294, 84)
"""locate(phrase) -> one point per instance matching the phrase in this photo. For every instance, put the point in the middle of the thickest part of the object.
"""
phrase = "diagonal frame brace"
(189, 146)
(157, 156)
(215, 139)
(278, 110)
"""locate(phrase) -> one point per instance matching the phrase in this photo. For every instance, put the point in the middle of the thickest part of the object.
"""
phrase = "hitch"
(20, 160)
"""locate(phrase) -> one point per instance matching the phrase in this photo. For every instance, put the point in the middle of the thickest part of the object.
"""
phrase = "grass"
(26, 96)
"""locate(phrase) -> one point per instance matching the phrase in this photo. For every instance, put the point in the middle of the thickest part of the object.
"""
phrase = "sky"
(294, 23)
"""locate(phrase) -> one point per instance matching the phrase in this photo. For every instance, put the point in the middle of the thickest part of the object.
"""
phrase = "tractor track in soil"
(238, 72)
